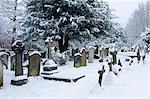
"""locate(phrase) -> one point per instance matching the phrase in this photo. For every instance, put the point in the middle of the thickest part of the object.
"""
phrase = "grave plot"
(68, 75)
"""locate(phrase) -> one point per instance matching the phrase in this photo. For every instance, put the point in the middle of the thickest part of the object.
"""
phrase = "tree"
(71, 20)
(13, 10)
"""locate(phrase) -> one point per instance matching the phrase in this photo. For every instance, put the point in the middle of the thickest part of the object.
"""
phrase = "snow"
(19, 77)
(77, 54)
(16, 42)
(35, 52)
(131, 83)
(50, 63)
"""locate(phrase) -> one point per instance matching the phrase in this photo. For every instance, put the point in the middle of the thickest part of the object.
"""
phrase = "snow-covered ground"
(133, 82)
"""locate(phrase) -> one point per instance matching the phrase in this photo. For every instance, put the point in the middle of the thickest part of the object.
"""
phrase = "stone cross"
(77, 60)
(34, 64)
(1, 72)
(18, 47)
(101, 72)
(84, 57)
(48, 43)
(91, 55)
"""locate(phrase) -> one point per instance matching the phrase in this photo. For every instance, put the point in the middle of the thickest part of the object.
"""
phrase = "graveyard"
(74, 49)
(93, 72)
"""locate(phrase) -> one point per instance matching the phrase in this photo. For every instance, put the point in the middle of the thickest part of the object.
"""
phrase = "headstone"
(72, 55)
(110, 64)
(4, 57)
(1, 72)
(114, 56)
(77, 60)
(101, 72)
(96, 49)
(84, 57)
(138, 56)
(12, 60)
(91, 55)
(34, 64)
(18, 47)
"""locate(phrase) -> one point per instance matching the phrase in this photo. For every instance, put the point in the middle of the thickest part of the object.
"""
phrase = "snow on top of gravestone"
(3, 53)
(83, 48)
(50, 63)
(112, 49)
(16, 42)
(77, 54)
(35, 52)
(16, 78)
(91, 47)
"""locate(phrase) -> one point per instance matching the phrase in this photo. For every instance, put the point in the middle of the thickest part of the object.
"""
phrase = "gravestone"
(101, 72)
(1, 72)
(72, 54)
(110, 64)
(138, 56)
(4, 57)
(91, 55)
(34, 64)
(77, 60)
(96, 49)
(12, 60)
(114, 56)
(84, 57)
(18, 47)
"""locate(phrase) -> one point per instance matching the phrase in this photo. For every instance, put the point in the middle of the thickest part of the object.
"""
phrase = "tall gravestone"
(18, 47)
(77, 60)
(34, 64)
(1, 73)
(84, 57)
(91, 55)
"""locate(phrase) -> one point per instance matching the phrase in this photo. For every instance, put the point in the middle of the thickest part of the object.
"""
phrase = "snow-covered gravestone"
(113, 52)
(110, 64)
(18, 47)
(34, 63)
(91, 55)
(77, 60)
(105, 52)
(96, 49)
(84, 57)
(4, 57)
(1, 72)
(12, 61)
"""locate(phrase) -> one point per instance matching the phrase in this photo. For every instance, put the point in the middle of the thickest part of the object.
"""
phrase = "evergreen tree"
(71, 20)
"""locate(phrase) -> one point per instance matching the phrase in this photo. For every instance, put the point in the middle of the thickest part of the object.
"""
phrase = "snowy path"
(132, 83)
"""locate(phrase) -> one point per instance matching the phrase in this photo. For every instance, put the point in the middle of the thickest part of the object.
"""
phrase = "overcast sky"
(124, 8)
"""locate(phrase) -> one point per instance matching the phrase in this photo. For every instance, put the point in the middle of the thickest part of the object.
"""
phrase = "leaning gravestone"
(34, 64)
(1, 72)
(4, 57)
(91, 54)
(101, 72)
(77, 60)
(18, 47)
(84, 57)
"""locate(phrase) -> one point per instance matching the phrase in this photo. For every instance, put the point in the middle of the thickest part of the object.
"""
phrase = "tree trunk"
(63, 43)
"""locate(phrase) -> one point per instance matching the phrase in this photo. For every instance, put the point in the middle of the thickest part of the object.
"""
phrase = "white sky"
(124, 8)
